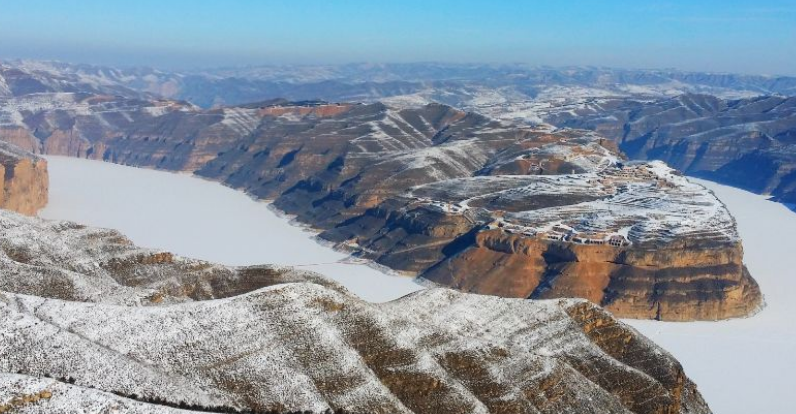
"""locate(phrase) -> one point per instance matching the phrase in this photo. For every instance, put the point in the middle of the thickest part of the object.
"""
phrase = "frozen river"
(740, 366)
(200, 219)
(746, 365)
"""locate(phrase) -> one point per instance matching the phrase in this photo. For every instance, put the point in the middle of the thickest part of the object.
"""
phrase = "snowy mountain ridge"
(511, 89)
(303, 346)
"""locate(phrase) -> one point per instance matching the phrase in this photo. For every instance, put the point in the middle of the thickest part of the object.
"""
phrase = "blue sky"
(710, 35)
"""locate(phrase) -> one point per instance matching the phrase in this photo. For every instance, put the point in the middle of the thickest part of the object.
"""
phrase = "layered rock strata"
(24, 178)
(414, 189)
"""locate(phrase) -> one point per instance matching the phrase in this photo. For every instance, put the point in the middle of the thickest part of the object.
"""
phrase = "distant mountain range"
(736, 129)
(463, 86)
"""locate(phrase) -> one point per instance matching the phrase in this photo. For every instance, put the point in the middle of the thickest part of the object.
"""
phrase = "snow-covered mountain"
(20, 78)
(507, 90)
(421, 188)
(291, 340)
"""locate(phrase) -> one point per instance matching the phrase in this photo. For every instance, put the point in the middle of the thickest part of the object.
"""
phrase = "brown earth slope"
(414, 188)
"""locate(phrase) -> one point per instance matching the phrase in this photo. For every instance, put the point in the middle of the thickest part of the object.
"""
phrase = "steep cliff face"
(663, 249)
(410, 187)
(24, 178)
(263, 339)
(671, 282)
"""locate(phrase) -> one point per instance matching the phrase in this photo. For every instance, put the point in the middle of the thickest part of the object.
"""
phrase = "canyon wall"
(24, 178)
(666, 281)
(412, 188)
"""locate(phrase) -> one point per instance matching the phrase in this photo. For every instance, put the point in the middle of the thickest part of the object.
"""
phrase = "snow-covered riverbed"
(200, 219)
(741, 366)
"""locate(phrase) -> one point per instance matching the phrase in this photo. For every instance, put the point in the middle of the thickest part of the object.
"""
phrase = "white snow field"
(201, 219)
(740, 366)
(745, 365)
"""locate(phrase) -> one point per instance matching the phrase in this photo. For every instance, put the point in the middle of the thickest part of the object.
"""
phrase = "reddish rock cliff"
(25, 180)
(671, 282)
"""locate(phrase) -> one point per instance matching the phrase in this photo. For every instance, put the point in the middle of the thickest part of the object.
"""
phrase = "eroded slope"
(420, 190)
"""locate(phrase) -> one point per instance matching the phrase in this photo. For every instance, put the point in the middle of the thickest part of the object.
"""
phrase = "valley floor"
(741, 366)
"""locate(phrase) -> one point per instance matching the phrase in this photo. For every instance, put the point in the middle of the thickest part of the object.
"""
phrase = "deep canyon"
(703, 347)
(117, 324)
(455, 197)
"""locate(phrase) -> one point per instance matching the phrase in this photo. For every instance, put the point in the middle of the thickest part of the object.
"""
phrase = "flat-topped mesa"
(278, 340)
(24, 178)
(441, 193)
(301, 109)
(649, 244)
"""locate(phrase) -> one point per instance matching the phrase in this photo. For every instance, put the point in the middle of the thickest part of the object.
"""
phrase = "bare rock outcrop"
(24, 178)
(668, 282)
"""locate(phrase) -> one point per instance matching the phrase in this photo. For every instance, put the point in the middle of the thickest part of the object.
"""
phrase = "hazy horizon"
(709, 36)
(222, 67)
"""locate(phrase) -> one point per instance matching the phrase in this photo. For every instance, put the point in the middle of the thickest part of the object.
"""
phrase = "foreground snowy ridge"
(299, 345)
(70, 261)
